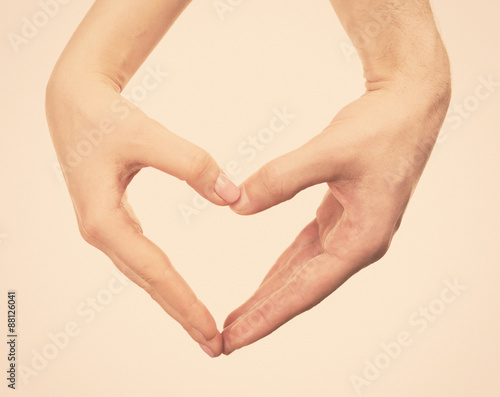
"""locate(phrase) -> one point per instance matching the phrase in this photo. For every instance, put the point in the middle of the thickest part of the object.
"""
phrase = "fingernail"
(207, 350)
(242, 203)
(226, 189)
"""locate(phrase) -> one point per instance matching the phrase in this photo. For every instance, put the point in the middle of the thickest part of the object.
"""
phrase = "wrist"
(420, 64)
(395, 40)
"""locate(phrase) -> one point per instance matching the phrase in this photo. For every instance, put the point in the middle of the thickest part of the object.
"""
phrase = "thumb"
(186, 161)
(282, 178)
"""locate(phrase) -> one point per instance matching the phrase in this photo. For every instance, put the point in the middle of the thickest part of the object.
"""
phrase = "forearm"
(395, 39)
(114, 39)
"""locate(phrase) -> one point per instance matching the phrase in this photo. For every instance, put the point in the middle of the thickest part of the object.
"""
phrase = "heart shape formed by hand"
(353, 227)
(371, 157)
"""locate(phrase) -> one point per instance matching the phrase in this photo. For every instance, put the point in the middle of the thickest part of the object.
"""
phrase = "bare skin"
(103, 141)
(371, 157)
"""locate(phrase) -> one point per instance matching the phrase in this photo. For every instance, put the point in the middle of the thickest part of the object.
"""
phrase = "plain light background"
(225, 76)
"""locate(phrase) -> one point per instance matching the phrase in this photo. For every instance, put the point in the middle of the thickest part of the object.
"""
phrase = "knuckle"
(201, 165)
(189, 309)
(296, 289)
(151, 273)
(268, 309)
(272, 180)
(92, 226)
(258, 318)
(365, 241)
(379, 247)
(151, 292)
(377, 241)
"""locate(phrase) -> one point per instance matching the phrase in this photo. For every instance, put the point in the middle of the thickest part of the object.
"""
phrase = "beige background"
(225, 77)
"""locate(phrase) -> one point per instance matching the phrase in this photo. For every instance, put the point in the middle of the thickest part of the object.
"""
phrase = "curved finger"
(307, 236)
(282, 178)
(294, 256)
(349, 247)
(313, 282)
(306, 246)
(178, 157)
(214, 345)
(148, 266)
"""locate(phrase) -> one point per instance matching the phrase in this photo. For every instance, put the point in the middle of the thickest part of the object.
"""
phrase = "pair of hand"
(371, 157)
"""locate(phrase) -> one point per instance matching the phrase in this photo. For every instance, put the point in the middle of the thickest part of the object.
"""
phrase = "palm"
(316, 264)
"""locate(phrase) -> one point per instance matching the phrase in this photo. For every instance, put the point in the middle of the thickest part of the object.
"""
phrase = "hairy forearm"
(395, 39)
(114, 39)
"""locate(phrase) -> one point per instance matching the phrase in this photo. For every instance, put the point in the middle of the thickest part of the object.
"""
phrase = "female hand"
(103, 141)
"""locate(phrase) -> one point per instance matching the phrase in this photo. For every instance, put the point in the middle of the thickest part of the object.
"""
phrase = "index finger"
(345, 251)
(310, 284)
(116, 234)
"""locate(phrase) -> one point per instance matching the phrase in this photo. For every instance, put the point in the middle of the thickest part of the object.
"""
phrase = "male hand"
(371, 156)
